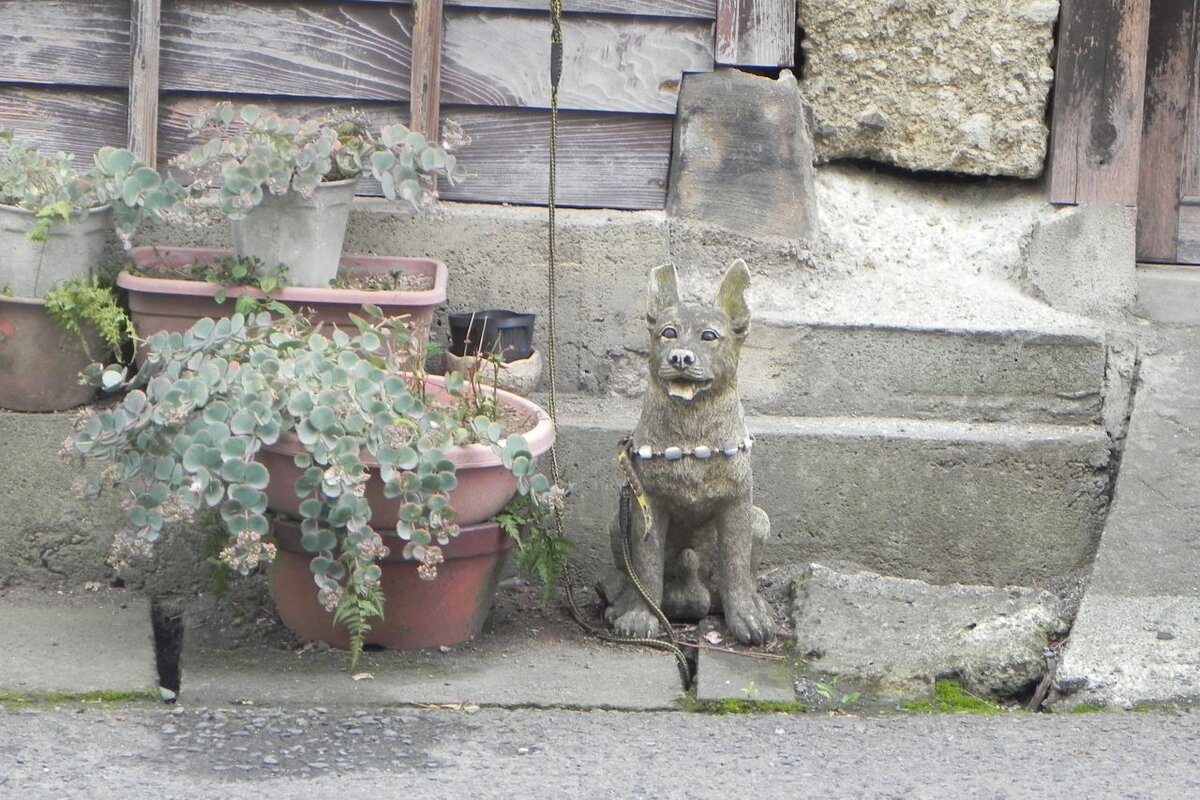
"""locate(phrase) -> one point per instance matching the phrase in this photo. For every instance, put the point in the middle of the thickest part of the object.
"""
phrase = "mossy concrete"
(48, 532)
(51, 536)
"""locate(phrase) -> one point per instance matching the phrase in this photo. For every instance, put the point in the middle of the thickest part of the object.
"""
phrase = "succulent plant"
(251, 151)
(30, 179)
(136, 191)
(52, 187)
(194, 417)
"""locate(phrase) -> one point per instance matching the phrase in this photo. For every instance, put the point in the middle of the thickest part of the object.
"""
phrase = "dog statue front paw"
(749, 619)
(638, 623)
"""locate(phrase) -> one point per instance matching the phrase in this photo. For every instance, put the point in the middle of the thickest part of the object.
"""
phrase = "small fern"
(354, 613)
(75, 303)
(526, 520)
(45, 217)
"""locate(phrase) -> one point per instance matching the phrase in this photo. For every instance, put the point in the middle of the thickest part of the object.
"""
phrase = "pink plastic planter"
(172, 304)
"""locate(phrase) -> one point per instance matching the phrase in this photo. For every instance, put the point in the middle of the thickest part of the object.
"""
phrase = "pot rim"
(22, 301)
(100, 209)
(539, 438)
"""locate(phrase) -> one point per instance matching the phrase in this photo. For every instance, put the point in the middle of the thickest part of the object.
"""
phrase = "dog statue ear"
(663, 292)
(731, 297)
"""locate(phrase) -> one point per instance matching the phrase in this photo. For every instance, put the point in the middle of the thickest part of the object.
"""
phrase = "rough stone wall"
(944, 85)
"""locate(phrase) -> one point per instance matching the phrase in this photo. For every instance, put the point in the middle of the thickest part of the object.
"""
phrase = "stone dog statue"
(691, 453)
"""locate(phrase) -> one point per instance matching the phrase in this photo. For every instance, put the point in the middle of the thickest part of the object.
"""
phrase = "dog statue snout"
(681, 359)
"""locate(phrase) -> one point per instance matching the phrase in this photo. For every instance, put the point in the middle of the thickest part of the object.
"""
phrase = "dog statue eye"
(710, 335)
(669, 332)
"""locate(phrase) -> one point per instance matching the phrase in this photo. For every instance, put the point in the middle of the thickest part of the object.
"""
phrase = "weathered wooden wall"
(76, 75)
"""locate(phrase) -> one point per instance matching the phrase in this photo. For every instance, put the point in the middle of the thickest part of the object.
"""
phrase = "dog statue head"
(694, 348)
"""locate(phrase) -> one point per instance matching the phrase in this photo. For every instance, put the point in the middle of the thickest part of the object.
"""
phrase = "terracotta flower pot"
(447, 610)
(484, 484)
(39, 361)
(172, 304)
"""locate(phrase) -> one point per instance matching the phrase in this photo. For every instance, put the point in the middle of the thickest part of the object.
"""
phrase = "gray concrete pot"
(72, 250)
(305, 233)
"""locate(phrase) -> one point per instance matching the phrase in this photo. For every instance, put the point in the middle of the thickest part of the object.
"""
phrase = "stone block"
(742, 157)
(1125, 651)
(1083, 260)
(896, 637)
(724, 675)
(930, 84)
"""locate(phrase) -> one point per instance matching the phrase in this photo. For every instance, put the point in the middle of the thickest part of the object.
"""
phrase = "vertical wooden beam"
(426, 68)
(1164, 138)
(1098, 93)
(756, 33)
(144, 26)
(1191, 147)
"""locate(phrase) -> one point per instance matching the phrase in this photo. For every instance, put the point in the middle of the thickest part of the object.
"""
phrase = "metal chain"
(632, 486)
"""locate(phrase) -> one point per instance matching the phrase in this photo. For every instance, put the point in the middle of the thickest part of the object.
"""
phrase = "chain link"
(632, 485)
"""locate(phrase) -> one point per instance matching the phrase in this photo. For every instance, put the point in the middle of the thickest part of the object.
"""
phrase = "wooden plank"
(143, 79)
(65, 42)
(425, 92)
(1168, 85)
(604, 160)
(50, 118)
(610, 63)
(1097, 122)
(692, 9)
(1188, 243)
(756, 33)
(303, 49)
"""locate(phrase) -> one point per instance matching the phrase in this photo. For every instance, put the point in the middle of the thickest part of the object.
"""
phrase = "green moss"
(1086, 708)
(14, 698)
(950, 698)
(1146, 708)
(732, 706)
(102, 696)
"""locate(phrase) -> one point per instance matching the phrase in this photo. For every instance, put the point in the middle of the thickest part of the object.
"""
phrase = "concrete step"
(944, 502)
(1168, 293)
(926, 327)
(76, 644)
(1137, 636)
(965, 374)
